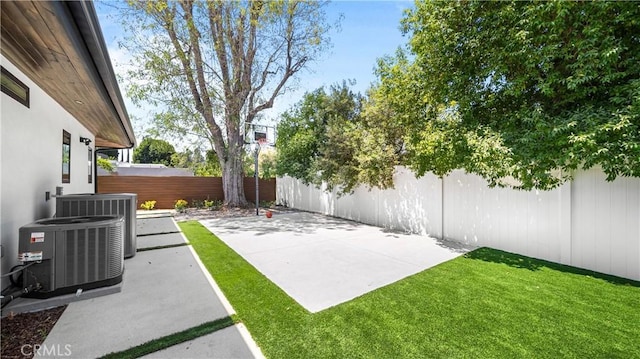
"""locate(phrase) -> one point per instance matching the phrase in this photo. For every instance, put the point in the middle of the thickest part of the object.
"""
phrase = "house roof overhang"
(59, 45)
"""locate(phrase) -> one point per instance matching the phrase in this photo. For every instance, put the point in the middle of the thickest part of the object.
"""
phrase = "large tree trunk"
(233, 182)
(233, 172)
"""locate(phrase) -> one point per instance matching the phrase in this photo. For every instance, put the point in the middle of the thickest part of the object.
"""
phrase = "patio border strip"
(155, 234)
(170, 340)
(162, 247)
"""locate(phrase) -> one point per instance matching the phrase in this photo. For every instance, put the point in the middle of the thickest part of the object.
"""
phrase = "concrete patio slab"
(156, 225)
(228, 343)
(164, 291)
(323, 261)
(159, 240)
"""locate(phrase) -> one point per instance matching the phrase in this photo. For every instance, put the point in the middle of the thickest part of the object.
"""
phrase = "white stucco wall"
(31, 161)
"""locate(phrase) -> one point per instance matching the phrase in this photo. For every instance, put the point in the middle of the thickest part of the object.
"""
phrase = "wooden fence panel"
(166, 190)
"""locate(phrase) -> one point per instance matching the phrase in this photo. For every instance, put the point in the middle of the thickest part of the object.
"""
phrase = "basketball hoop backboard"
(263, 135)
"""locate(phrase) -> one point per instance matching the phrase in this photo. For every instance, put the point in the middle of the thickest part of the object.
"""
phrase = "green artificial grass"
(485, 304)
(172, 339)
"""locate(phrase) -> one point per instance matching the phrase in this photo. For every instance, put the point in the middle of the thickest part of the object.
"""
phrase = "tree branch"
(216, 27)
(207, 110)
(291, 67)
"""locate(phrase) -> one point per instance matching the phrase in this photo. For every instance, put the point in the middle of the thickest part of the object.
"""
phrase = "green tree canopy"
(340, 138)
(520, 93)
(152, 150)
(105, 164)
(266, 164)
(524, 90)
(196, 162)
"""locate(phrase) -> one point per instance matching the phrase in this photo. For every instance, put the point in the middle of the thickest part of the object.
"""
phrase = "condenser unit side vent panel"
(99, 204)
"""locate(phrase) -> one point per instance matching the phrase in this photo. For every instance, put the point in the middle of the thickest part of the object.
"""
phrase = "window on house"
(90, 165)
(66, 157)
(14, 88)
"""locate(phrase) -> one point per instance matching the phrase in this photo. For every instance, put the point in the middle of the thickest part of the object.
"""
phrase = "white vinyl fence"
(588, 223)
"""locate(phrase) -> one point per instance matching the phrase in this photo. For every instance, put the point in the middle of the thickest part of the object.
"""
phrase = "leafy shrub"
(181, 205)
(195, 203)
(213, 205)
(148, 205)
(267, 204)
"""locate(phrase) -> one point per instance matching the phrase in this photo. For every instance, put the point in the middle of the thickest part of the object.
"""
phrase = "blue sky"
(369, 30)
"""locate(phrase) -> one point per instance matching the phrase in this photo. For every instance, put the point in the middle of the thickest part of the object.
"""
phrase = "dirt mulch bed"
(21, 332)
(198, 214)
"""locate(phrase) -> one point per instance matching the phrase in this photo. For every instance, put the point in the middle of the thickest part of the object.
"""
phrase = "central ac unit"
(72, 253)
(99, 204)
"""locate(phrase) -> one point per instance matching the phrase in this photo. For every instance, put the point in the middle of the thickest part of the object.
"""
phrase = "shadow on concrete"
(454, 246)
(309, 223)
(292, 222)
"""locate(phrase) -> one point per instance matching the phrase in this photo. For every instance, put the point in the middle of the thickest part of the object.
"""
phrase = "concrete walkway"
(164, 291)
(322, 261)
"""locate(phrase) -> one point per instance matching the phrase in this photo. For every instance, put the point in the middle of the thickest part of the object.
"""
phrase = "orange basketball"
(268, 214)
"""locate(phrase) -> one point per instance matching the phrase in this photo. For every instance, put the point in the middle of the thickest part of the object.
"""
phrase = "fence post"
(566, 222)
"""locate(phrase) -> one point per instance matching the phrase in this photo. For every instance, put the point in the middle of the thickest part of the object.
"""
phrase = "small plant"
(181, 205)
(148, 205)
(213, 204)
(267, 204)
(197, 203)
